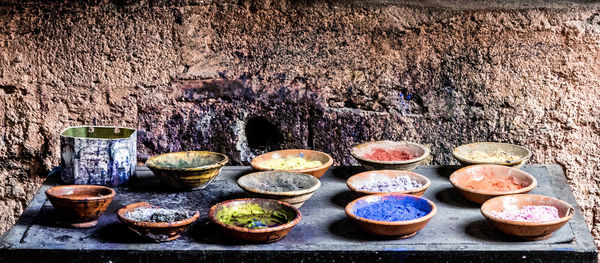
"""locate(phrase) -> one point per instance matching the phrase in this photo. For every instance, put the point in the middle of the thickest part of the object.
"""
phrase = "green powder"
(253, 216)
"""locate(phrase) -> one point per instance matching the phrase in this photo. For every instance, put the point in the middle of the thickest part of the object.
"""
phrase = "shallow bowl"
(399, 229)
(157, 232)
(307, 154)
(263, 235)
(526, 230)
(187, 171)
(290, 187)
(80, 206)
(359, 151)
(461, 153)
(463, 176)
(357, 180)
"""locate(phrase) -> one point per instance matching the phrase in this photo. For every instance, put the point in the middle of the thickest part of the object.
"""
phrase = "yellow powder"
(495, 157)
(289, 163)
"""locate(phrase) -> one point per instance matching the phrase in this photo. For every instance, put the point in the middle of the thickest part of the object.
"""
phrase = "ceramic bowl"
(187, 170)
(526, 230)
(263, 235)
(80, 206)
(461, 153)
(356, 181)
(157, 232)
(290, 187)
(399, 229)
(462, 177)
(307, 154)
(359, 151)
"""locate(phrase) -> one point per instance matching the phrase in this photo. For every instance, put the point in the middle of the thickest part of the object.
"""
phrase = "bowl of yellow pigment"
(492, 153)
(310, 162)
(187, 170)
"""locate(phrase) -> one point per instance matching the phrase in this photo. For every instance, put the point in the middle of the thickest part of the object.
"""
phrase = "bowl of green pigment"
(292, 188)
(255, 219)
(396, 215)
(187, 170)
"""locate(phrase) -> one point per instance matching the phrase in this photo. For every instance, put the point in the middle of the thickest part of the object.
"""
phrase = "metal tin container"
(98, 155)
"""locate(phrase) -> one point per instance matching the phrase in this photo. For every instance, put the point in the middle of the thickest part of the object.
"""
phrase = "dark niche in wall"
(262, 134)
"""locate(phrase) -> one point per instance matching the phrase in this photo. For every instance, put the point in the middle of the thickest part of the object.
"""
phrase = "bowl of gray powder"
(388, 181)
(155, 223)
(290, 187)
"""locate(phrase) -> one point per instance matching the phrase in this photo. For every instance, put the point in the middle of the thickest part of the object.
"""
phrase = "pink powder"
(532, 213)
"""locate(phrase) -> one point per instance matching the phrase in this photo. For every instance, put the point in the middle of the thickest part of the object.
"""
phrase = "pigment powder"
(380, 154)
(534, 213)
(495, 157)
(385, 184)
(253, 216)
(393, 209)
(489, 182)
(289, 163)
(158, 215)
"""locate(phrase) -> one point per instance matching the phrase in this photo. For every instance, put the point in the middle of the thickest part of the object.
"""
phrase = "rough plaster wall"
(326, 75)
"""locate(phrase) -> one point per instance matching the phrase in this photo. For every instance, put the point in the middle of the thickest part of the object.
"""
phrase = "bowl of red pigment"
(479, 183)
(397, 215)
(389, 155)
(388, 181)
(527, 217)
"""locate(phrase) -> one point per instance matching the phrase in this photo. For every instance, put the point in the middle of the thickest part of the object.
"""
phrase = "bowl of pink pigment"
(526, 216)
(389, 155)
(397, 215)
(388, 181)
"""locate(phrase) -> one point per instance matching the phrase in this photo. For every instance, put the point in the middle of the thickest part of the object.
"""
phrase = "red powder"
(490, 183)
(380, 154)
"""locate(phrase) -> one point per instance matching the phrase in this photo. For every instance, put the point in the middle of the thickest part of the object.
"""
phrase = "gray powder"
(385, 184)
(285, 184)
(158, 215)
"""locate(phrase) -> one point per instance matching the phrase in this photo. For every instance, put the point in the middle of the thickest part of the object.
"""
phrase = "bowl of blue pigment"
(396, 215)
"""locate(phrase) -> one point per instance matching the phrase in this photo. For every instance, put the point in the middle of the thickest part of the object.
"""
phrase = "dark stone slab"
(457, 233)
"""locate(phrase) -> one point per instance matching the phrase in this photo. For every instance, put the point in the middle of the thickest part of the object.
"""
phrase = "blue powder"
(393, 208)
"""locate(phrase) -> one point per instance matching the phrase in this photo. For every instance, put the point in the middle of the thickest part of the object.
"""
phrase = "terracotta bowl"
(263, 235)
(80, 206)
(461, 153)
(356, 181)
(308, 154)
(366, 148)
(526, 230)
(399, 229)
(187, 170)
(157, 232)
(464, 176)
(290, 187)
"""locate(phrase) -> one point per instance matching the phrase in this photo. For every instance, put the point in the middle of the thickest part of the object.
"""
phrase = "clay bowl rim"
(424, 218)
(315, 187)
(52, 193)
(150, 162)
(396, 174)
(488, 215)
(213, 210)
(414, 160)
(493, 193)
(514, 162)
(325, 165)
(144, 224)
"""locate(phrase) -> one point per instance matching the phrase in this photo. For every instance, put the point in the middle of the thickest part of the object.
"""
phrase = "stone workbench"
(457, 233)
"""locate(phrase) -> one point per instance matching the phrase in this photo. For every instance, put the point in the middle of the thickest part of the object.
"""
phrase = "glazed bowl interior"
(418, 151)
(420, 203)
(467, 175)
(279, 183)
(501, 203)
(291, 214)
(98, 132)
(462, 152)
(81, 192)
(187, 160)
(355, 182)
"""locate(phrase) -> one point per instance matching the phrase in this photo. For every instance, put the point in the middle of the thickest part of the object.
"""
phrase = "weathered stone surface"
(325, 75)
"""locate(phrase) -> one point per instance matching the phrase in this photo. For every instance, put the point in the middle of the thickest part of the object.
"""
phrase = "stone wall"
(246, 77)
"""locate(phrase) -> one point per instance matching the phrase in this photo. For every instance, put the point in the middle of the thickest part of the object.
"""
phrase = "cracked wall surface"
(325, 74)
